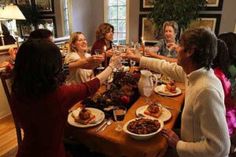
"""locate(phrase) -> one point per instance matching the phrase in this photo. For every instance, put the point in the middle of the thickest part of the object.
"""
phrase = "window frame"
(126, 18)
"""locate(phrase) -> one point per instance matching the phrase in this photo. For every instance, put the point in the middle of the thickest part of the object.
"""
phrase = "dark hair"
(37, 68)
(40, 34)
(103, 29)
(204, 44)
(222, 58)
(8, 38)
(230, 40)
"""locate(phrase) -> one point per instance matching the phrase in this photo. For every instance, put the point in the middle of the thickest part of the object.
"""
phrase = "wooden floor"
(8, 143)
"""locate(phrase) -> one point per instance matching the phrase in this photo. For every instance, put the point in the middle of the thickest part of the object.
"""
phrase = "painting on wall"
(214, 4)
(211, 21)
(146, 5)
(23, 2)
(25, 30)
(235, 28)
(45, 6)
(147, 30)
(48, 23)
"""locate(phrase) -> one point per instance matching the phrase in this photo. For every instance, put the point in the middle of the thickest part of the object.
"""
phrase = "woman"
(204, 129)
(166, 47)
(40, 102)
(78, 50)
(104, 37)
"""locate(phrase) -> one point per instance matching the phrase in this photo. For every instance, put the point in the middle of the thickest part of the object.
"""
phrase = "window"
(116, 14)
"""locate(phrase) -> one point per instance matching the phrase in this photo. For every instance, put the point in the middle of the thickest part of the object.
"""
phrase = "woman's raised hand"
(115, 61)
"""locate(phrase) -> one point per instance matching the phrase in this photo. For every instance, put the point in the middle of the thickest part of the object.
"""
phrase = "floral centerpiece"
(123, 91)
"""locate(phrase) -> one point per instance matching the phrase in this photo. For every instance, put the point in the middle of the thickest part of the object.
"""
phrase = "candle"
(105, 55)
(105, 48)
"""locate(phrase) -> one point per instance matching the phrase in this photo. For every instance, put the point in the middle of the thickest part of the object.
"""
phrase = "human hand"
(130, 54)
(171, 46)
(96, 59)
(115, 61)
(171, 136)
(12, 53)
(109, 53)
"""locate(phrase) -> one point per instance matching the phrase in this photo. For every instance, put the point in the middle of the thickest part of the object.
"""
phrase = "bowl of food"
(143, 128)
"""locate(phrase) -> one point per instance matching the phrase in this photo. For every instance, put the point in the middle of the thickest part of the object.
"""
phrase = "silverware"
(102, 125)
(107, 124)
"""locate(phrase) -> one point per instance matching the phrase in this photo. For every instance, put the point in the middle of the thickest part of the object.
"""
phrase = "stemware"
(119, 115)
(98, 52)
(147, 92)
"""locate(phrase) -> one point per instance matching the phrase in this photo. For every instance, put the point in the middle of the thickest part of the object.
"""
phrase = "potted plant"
(181, 11)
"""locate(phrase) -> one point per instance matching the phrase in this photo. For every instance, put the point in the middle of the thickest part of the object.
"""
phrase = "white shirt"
(77, 75)
(204, 131)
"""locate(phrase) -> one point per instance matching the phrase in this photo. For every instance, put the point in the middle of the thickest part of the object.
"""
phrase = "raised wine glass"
(98, 52)
(119, 115)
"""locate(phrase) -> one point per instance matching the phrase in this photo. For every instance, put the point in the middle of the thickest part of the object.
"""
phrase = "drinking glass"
(119, 115)
(98, 52)
(147, 92)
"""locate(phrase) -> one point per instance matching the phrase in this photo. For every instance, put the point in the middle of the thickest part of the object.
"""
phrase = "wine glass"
(98, 52)
(147, 92)
(119, 115)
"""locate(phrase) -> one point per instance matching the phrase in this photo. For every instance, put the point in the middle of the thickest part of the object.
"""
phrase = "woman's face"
(81, 43)
(169, 33)
(109, 35)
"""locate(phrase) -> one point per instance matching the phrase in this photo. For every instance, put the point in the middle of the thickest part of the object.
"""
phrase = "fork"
(107, 124)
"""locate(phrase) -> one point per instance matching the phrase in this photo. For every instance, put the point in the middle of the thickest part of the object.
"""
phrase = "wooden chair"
(6, 82)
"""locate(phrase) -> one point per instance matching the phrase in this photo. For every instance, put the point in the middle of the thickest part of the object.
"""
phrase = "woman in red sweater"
(41, 102)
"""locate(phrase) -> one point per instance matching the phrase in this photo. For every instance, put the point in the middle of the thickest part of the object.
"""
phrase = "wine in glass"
(119, 115)
(98, 52)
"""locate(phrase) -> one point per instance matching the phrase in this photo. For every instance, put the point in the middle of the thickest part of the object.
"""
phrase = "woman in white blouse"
(78, 50)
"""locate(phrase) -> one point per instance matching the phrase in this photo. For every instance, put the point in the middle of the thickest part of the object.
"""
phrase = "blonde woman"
(78, 51)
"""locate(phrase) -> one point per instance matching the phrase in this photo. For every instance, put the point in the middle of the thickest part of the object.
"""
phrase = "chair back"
(6, 78)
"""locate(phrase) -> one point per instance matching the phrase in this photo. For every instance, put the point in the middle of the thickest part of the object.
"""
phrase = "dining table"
(119, 144)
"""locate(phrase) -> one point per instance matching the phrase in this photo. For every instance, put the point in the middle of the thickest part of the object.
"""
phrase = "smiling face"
(169, 33)
(81, 43)
(109, 35)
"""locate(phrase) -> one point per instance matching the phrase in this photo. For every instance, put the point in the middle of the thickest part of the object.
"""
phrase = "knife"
(101, 126)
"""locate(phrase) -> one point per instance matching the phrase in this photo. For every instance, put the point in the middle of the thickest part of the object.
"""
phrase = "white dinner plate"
(161, 90)
(99, 117)
(164, 116)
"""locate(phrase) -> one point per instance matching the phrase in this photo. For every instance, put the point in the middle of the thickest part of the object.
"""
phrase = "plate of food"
(143, 128)
(154, 110)
(168, 89)
(85, 117)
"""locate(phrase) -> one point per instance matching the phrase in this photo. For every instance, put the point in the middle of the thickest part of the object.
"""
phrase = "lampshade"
(10, 12)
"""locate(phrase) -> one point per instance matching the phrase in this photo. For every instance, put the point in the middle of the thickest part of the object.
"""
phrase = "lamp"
(9, 12)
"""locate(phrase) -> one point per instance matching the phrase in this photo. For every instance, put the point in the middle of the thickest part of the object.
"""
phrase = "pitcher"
(146, 83)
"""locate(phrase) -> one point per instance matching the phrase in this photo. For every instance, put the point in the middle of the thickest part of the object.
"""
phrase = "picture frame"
(214, 5)
(235, 28)
(25, 30)
(211, 21)
(45, 6)
(23, 2)
(49, 23)
(147, 30)
(146, 5)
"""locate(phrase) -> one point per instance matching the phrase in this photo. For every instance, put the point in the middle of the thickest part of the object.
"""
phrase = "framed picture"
(214, 4)
(49, 23)
(211, 21)
(147, 30)
(23, 2)
(45, 6)
(235, 28)
(146, 5)
(25, 30)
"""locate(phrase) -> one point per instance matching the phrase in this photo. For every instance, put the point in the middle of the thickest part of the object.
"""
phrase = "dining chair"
(6, 83)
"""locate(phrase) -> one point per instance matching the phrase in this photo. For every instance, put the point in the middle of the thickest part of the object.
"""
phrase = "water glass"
(119, 115)
(98, 52)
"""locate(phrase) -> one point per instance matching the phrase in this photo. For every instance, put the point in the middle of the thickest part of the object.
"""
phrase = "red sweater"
(44, 120)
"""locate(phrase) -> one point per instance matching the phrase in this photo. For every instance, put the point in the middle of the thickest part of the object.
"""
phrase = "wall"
(228, 18)
(86, 16)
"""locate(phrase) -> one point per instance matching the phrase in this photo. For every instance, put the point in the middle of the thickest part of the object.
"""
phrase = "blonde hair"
(103, 29)
(173, 24)
(73, 38)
